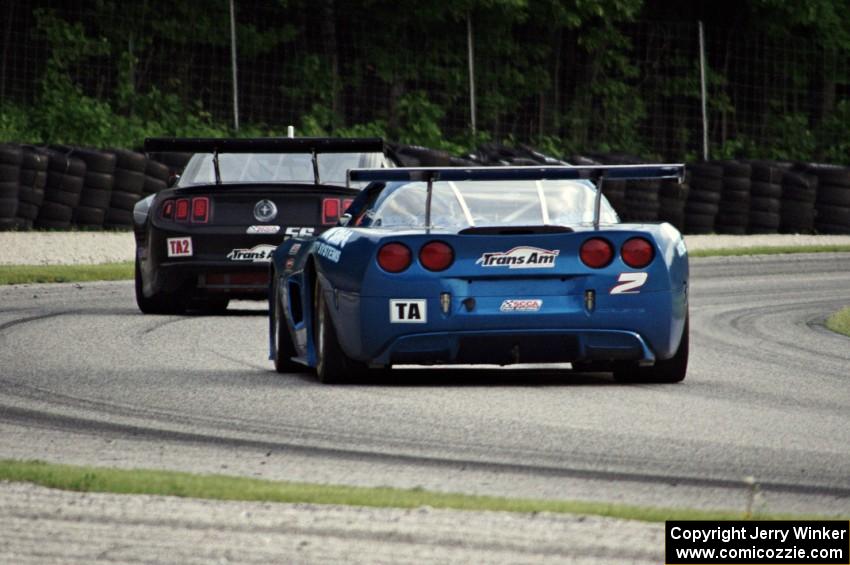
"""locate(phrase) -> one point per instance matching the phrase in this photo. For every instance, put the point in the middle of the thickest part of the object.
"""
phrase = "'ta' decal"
(408, 311)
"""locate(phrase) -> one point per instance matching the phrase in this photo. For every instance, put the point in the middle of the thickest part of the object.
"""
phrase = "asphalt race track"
(85, 378)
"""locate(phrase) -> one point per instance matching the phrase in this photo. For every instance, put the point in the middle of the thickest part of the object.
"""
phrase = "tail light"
(201, 210)
(637, 252)
(346, 203)
(596, 252)
(394, 257)
(436, 256)
(168, 209)
(196, 210)
(181, 213)
(330, 211)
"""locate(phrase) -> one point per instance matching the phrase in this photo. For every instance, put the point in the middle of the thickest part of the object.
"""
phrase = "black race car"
(209, 238)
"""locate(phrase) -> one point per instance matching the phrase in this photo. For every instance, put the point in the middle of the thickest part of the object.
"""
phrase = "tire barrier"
(31, 184)
(832, 201)
(63, 186)
(733, 209)
(127, 190)
(703, 203)
(97, 187)
(10, 173)
(62, 191)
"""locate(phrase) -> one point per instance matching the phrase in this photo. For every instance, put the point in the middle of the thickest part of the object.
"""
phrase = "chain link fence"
(333, 67)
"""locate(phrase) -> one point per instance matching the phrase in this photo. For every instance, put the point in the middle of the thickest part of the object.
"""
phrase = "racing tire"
(333, 366)
(283, 351)
(760, 189)
(799, 194)
(705, 196)
(833, 194)
(159, 303)
(707, 170)
(671, 370)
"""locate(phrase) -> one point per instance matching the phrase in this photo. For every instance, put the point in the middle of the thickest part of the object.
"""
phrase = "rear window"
(458, 205)
(277, 167)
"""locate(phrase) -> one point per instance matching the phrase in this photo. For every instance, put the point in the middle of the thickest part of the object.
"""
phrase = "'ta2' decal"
(179, 246)
(408, 311)
(629, 283)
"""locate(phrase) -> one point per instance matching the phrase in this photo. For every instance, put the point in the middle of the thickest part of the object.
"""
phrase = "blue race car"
(495, 265)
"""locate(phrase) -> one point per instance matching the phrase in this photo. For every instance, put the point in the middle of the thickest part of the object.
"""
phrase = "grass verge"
(23, 274)
(221, 487)
(840, 321)
(768, 250)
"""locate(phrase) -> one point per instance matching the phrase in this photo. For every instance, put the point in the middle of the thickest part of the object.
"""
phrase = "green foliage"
(419, 122)
(14, 123)
(832, 136)
(563, 75)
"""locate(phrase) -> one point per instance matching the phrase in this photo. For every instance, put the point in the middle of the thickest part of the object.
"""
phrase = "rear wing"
(311, 145)
(265, 145)
(597, 174)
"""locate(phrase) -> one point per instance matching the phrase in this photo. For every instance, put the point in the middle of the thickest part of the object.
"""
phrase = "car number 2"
(629, 283)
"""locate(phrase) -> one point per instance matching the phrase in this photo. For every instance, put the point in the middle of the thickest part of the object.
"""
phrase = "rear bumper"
(237, 281)
(505, 347)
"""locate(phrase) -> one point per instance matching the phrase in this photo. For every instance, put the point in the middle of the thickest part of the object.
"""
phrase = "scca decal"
(522, 257)
(521, 305)
(629, 283)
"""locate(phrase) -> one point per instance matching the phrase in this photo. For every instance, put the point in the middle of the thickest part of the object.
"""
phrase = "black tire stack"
(32, 182)
(799, 191)
(62, 191)
(127, 189)
(706, 183)
(833, 199)
(672, 197)
(614, 190)
(10, 172)
(416, 156)
(156, 177)
(640, 200)
(97, 187)
(733, 214)
(175, 162)
(766, 196)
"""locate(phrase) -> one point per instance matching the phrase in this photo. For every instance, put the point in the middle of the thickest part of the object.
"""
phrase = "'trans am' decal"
(522, 257)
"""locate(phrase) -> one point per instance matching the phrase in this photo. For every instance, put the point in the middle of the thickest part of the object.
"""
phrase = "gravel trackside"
(42, 525)
(78, 248)
(65, 248)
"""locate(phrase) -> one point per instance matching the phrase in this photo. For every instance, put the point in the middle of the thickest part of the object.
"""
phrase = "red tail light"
(436, 256)
(201, 209)
(330, 211)
(182, 210)
(168, 209)
(637, 252)
(596, 252)
(394, 257)
(346, 203)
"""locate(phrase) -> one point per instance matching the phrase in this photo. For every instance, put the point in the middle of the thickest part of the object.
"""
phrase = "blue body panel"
(643, 325)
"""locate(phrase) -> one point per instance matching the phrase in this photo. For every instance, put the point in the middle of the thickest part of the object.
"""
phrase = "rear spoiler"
(597, 174)
(265, 145)
(311, 145)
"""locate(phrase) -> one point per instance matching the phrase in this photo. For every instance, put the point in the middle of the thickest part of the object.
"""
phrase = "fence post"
(703, 96)
(471, 57)
(233, 65)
